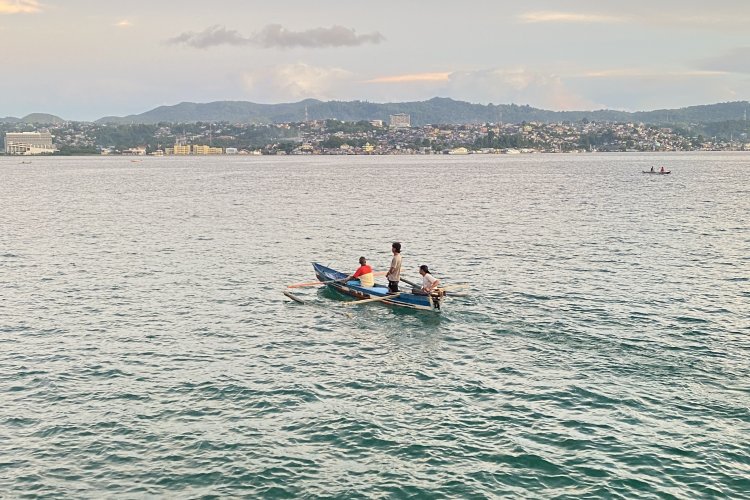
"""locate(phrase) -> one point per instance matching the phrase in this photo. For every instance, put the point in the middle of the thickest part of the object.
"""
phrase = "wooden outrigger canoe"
(354, 289)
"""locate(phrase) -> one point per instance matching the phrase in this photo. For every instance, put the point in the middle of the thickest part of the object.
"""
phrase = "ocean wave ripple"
(145, 349)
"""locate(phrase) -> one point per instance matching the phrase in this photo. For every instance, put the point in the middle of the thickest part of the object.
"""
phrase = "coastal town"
(375, 137)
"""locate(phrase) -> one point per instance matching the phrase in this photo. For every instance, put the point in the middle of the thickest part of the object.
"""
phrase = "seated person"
(364, 273)
(429, 282)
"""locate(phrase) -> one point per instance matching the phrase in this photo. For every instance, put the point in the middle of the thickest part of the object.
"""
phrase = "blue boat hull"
(354, 289)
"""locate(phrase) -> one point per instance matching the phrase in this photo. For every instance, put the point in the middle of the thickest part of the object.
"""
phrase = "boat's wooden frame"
(353, 288)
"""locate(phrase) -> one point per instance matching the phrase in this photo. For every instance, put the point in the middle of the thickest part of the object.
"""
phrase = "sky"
(84, 59)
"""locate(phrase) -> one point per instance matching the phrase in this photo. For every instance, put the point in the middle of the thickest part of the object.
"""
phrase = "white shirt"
(427, 281)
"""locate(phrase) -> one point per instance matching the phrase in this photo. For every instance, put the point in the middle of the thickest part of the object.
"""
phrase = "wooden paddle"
(454, 294)
(411, 283)
(318, 283)
(293, 297)
(311, 283)
(453, 287)
(300, 301)
(367, 301)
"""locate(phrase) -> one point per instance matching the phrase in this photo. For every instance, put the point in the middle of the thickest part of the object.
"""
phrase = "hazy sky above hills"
(83, 60)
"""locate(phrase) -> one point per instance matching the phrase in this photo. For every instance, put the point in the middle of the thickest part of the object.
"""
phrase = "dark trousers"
(393, 286)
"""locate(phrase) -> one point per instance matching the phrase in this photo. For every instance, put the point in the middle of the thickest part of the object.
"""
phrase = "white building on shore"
(28, 143)
(400, 120)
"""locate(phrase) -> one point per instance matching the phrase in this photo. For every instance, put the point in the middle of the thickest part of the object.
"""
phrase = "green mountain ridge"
(438, 110)
(35, 118)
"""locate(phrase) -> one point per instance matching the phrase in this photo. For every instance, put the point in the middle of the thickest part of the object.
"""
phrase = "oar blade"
(454, 287)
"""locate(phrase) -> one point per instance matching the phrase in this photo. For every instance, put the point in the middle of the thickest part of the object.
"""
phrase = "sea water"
(146, 348)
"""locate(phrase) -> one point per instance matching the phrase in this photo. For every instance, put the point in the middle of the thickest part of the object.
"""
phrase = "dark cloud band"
(276, 36)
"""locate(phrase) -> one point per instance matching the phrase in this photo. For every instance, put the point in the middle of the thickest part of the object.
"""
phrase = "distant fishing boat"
(656, 172)
(352, 288)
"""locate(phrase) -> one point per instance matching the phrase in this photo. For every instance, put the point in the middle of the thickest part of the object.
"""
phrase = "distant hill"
(36, 118)
(42, 118)
(436, 110)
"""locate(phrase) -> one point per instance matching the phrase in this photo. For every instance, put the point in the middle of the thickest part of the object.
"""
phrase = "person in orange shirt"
(363, 272)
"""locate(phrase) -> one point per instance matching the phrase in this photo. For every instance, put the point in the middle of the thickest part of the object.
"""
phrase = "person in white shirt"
(429, 282)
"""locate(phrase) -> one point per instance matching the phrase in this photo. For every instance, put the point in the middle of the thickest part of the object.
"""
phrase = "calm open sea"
(146, 348)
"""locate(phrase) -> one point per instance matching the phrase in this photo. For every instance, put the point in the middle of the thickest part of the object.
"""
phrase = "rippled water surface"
(146, 348)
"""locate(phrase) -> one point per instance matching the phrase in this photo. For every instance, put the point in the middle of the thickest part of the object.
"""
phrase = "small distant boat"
(354, 289)
(656, 172)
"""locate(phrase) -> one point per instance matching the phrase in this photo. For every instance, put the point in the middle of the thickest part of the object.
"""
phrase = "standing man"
(394, 273)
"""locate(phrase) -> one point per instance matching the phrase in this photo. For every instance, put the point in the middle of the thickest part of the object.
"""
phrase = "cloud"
(568, 17)
(210, 37)
(296, 81)
(644, 88)
(412, 78)
(707, 17)
(520, 85)
(276, 36)
(650, 73)
(19, 7)
(708, 20)
(736, 60)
